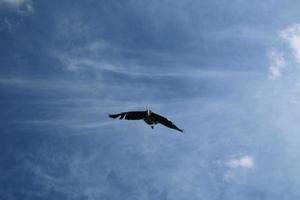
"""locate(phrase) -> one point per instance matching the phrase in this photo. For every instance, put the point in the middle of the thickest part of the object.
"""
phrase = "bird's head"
(148, 111)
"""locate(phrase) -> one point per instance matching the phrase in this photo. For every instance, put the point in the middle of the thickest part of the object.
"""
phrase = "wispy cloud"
(278, 57)
(292, 36)
(245, 161)
(9, 25)
(49, 85)
(277, 64)
(74, 125)
(19, 5)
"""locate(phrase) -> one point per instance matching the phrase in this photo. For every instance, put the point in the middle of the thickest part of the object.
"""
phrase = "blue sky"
(227, 72)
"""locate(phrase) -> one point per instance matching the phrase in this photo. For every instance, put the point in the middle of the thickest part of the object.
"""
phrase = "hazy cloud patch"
(236, 165)
(281, 59)
(24, 6)
(292, 36)
(277, 64)
(246, 162)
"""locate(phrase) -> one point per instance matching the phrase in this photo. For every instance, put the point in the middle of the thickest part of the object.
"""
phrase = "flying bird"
(151, 118)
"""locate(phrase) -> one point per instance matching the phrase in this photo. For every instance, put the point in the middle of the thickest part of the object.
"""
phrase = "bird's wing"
(135, 115)
(165, 121)
(115, 115)
(132, 115)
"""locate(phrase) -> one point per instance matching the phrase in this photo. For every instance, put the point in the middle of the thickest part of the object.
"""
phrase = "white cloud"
(20, 5)
(242, 162)
(277, 64)
(292, 36)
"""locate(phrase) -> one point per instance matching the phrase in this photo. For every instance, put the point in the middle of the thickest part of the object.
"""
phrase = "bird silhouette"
(151, 118)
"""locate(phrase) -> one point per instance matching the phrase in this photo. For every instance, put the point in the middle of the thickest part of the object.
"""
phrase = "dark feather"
(114, 116)
(135, 115)
(165, 121)
(132, 115)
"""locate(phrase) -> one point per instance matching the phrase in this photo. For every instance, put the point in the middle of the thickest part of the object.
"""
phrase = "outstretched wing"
(132, 115)
(165, 121)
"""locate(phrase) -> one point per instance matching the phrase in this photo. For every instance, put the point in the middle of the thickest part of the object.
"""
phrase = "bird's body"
(148, 116)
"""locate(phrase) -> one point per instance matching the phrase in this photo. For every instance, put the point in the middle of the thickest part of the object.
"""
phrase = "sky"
(227, 72)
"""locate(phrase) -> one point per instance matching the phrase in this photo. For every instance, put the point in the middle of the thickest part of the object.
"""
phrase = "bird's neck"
(148, 112)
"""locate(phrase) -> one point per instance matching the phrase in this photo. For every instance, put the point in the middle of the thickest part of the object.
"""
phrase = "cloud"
(245, 162)
(20, 5)
(277, 64)
(41, 85)
(9, 26)
(278, 57)
(242, 162)
(292, 36)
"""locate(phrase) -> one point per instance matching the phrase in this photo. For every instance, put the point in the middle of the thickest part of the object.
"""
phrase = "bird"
(150, 118)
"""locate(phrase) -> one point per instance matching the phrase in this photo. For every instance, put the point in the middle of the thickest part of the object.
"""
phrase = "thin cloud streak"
(23, 6)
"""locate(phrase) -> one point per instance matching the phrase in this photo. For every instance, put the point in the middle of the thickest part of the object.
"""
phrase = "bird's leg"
(152, 127)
